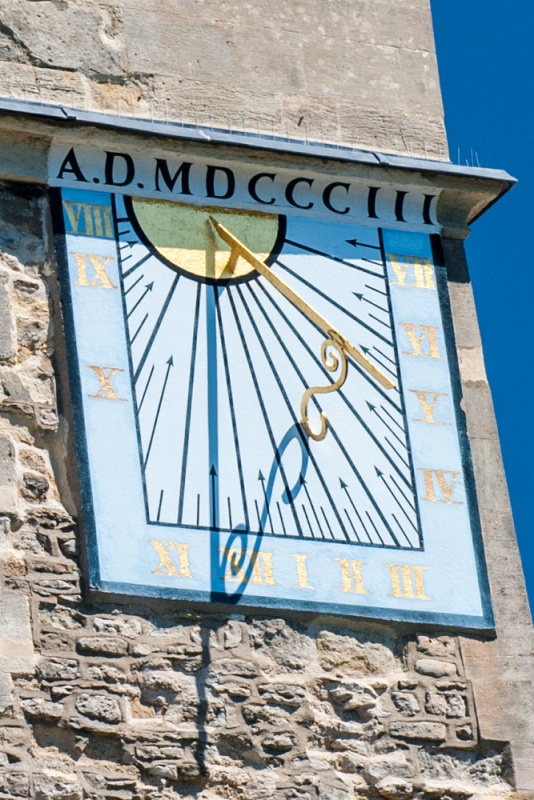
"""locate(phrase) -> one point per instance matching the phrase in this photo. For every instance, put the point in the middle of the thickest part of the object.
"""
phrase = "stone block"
(6, 695)
(435, 668)
(38, 708)
(8, 476)
(406, 703)
(16, 644)
(100, 707)
(425, 731)
(8, 333)
(102, 645)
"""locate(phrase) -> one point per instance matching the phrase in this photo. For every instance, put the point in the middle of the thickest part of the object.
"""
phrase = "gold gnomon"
(335, 341)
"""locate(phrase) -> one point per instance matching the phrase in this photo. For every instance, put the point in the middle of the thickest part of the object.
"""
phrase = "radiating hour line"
(403, 531)
(170, 363)
(374, 289)
(384, 355)
(336, 304)
(381, 321)
(263, 409)
(345, 488)
(146, 389)
(341, 392)
(378, 534)
(148, 288)
(138, 331)
(363, 373)
(136, 265)
(281, 517)
(396, 499)
(397, 452)
(284, 393)
(187, 426)
(337, 259)
(327, 523)
(409, 500)
(158, 515)
(232, 412)
(140, 278)
(156, 329)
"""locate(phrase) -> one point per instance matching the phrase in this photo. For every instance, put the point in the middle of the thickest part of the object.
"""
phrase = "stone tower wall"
(150, 700)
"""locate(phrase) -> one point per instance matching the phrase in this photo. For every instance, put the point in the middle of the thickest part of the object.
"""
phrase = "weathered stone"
(406, 703)
(435, 668)
(8, 475)
(59, 669)
(427, 731)
(129, 628)
(394, 788)
(14, 783)
(100, 707)
(6, 695)
(442, 647)
(279, 742)
(285, 694)
(8, 333)
(345, 651)
(104, 645)
(394, 764)
(54, 786)
(16, 642)
(235, 666)
(34, 487)
(39, 708)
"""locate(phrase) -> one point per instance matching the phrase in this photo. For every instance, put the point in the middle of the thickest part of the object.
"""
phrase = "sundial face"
(266, 405)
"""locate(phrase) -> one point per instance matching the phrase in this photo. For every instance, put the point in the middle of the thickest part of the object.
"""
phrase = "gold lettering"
(104, 375)
(429, 406)
(423, 340)
(407, 582)
(166, 565)
(351, 576)
(89, 220)
(446, 482)
(302, 571)
(100, 279)
(261, 567)
(412, 271)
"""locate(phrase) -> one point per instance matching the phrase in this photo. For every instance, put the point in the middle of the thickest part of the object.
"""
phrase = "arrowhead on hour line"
(261, 476)
(213, 471)
(150, 286)
(370, 406)
(364, 349)
(353, 242)
(342, 483)
(301, 479)
(359, 296)
(378, 472)
(170, 361)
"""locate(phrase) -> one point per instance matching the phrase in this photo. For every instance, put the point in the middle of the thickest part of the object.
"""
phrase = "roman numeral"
(412, 271)
(98, 265)
(168, 566)
(106, 390)
(423, 340)
(89, 220)
(407, 582)
(428, 402)
(440, 485)
(351, 576)
(259, 569)
(302, 571)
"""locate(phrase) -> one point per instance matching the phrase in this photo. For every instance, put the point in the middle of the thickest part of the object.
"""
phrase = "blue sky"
(486, 60)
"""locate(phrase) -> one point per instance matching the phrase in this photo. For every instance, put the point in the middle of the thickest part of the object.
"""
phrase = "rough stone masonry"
(125, 702)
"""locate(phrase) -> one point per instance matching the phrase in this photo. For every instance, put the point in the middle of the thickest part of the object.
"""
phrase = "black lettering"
(70, 165)
(162, 170)
(210, 182)
(109, 169)
(399, 206)
(327, 197)
(290, 188)
(371, 202)
(253, 183)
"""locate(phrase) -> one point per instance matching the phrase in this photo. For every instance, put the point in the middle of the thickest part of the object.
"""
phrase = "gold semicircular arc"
(183, 236)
